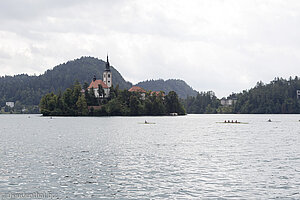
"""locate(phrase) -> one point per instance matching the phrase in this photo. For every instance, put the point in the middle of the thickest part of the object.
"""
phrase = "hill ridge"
(179, 86)
(29, 89)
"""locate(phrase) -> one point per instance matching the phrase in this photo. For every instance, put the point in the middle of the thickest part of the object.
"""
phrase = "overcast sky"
(220, 45)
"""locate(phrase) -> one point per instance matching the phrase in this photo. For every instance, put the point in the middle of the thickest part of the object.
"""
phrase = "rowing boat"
(232, 122)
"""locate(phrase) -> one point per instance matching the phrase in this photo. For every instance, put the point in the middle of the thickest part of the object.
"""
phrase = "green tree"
(48, 104)
(92, 97)
(173, 105)
(82, 106)
(101, 91)
(114, 107)
(148, 106)
(135, 105)
(68, 102)
(158, 107)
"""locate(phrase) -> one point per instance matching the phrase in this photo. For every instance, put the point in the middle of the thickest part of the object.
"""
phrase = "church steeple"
(107, 67)
(107, 76)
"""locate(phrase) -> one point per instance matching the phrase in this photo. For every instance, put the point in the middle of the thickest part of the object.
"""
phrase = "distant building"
(10, 104)
(106, 83)
(107, 76)
(139, 90)
(157, 93)
(95, 86)
(223, 101)
(228, 101)
(91, 108)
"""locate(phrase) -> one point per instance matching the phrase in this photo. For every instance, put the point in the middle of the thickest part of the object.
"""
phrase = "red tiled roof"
(157, 93)
(94, 84)
(137, 89)
(95, 107)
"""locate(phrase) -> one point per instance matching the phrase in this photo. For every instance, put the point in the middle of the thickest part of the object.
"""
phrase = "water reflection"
(177, 157)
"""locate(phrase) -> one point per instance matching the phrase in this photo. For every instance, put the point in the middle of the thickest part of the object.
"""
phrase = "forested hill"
(30, 89)
(179, 86)
(279, 96)
(83, 70)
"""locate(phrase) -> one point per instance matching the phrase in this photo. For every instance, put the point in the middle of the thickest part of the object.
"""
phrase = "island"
(101, 98)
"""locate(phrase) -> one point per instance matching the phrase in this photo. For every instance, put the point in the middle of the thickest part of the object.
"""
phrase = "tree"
(68, 102)
(114, 107)
(148, 106)
(48, 104)
(101, 91)
(122, 102)
(200, 103)
(158, 107)
(173, 105)
(135, 105)
(82, 106)
(92, 97)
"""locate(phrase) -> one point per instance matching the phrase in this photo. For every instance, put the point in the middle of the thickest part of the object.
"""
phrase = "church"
(106, 82)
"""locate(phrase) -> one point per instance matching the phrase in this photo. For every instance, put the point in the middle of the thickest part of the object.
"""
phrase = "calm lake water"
(176, 158)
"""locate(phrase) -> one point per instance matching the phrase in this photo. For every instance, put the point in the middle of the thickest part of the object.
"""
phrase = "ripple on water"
(188, 157)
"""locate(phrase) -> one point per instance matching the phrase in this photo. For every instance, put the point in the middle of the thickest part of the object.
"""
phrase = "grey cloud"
(4, 55)
(214, 45)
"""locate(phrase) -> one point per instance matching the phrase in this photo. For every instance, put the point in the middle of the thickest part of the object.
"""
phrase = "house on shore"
(10, 104)
(228, 101)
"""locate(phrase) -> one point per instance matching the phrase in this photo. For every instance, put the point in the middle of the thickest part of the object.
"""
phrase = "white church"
(106, 83)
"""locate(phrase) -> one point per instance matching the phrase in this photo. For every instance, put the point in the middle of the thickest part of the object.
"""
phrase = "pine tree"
(82, 106)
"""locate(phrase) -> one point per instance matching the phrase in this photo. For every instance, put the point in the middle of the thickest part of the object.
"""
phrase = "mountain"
(83, 70)
(277, 97)
(179, 86)
(30, 89)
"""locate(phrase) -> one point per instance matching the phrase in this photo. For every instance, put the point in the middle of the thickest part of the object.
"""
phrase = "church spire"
(107, 76)
(107, 64)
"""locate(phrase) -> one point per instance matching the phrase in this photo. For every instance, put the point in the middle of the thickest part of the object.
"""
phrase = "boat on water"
(232, 122)
(147, 123)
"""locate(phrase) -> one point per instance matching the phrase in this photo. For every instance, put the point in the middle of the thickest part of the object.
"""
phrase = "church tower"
(107, 78)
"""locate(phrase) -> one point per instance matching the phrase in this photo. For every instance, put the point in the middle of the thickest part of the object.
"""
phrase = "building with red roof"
(157, 93)
(105, 84)
(96, 83)
(95, 86)
(139, 90)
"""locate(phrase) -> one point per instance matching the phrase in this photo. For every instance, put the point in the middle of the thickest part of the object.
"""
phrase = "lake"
(184, 157)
